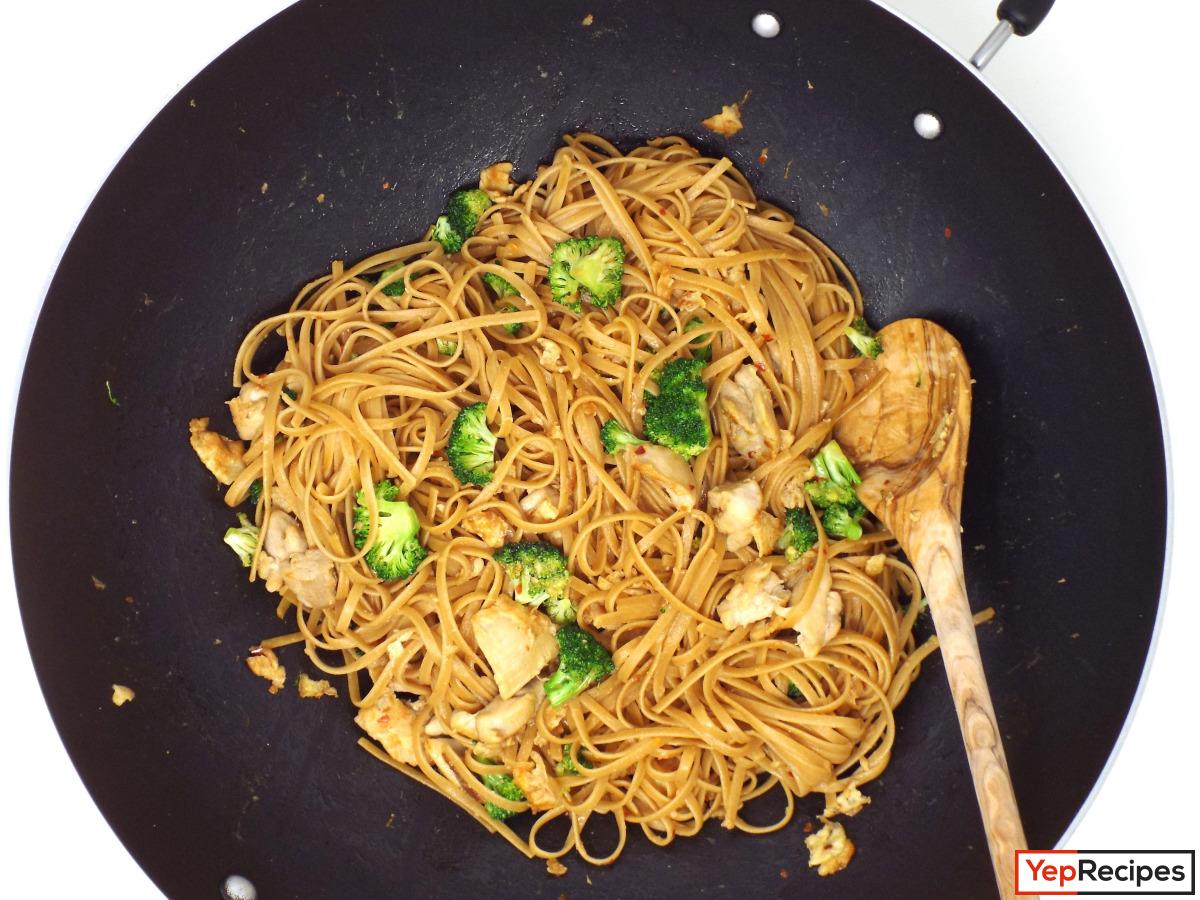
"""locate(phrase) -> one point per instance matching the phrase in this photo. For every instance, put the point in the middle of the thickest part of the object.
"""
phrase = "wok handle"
(1019, 17)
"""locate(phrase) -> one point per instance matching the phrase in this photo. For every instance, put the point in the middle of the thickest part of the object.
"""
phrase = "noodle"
(697, 719)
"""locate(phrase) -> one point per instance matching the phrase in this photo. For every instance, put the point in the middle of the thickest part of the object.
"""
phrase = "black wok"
(207, 775)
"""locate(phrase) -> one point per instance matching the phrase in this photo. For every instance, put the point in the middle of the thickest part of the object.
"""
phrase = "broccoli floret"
(255, 492)
(458, 223)
(539, 571)
(472, 447)
(865, 341)
(446, 347)
(799, 533)
(396, 551)
(616, 437)
(839, 523)
(288, 392)
(587, 268)
(499, 285)
(582, 662)
(502, 784)
(394, 288)
(793, 692)
(560, 610)
(831, 463)
(243, 540)
(825, 494)
(566, 765)
(701, 346)
(514, 327)
(678, 417)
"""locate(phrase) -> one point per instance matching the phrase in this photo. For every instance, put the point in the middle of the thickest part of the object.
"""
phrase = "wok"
(212, 220)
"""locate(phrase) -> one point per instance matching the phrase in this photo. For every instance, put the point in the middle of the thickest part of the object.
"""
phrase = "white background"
(1110, 86)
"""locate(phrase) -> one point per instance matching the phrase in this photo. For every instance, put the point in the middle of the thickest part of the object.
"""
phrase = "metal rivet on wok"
(766, 24)
(928, 124)
(236, 887)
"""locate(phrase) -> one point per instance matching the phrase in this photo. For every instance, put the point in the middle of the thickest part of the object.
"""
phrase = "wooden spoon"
(908, 439)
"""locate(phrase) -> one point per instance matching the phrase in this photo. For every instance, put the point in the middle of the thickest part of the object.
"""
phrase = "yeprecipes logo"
(1098, 872)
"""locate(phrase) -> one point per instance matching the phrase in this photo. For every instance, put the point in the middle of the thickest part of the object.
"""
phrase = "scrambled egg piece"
(875, 564)
(755, 595)
(314, 687)
(288, 563)
(517, 642)
(248, 410)
(848, 803)
(491, 527)
(496, 180)
(830, 849)
(122, 694)
(738, 512)
(391, 723)
(221, 455)
(820, 623)
(668, 470)
(750, 415)
(553, 866)
(727, 122)
(265, 664)
(499, 720)
(535, 783)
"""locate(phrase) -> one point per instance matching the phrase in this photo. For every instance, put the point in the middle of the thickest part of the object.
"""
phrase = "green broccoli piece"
(825, 494)
(799, 533)
(586, 268)
(616, 437)
(288, 392)
(539, 571)
(865, 341)
(566, 765)
(502, 784)
(255, 491)
(582, 662)
(831, 463)
(793, 692)
(472, 447)
(678, 417)
(396, 551)
(500, 285)
(704, 351)
(395, 288)
(460, 219)
(515, 327)
(839, 523)
(243, 540)
(445, 347)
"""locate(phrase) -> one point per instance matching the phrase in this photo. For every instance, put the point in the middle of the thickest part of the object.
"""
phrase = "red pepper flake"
(750, 453)
(767, 338)
(808, 827)
(762, 157)
(762, 367)
(640, 450)
(384, 719)
(947, 232)
(784, 873)
(387, 185)
(129, 599)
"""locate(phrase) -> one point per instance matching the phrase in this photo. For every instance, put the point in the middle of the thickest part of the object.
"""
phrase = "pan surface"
(212, 220)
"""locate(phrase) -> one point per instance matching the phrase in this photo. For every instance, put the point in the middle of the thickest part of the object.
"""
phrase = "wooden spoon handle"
(939, 565)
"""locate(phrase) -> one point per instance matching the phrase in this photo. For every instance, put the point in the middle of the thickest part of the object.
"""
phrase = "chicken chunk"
(121, 694)
(263, 662)
(541, 505)
(737, 510)
(535, 783)
(499, 720)
(516, 640)
(848, 803)
(491, 527)
(314, 687)
(666, 469)
(221, 455)
(289, 563)
(749, 414)
(392, 724)
(820, 623)
(283, 536)
(496, 181)
(248, 410)
(830, 849)
(727, 122)
(756, 595)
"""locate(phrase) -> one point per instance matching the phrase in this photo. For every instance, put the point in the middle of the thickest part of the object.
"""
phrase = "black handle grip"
(1025, 15)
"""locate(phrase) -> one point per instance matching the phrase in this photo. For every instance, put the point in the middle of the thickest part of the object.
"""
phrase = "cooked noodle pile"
(698, 718)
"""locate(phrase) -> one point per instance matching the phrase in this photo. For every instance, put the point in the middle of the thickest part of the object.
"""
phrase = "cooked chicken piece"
(491, 527)
(737, 510)
(555, 868)
(284, 536)
(392, 724)
(499, 720)
(541, 505)
(750, 415)
(248, 410)
(265, 664)
(496, 180)
(221, 455)
(535, 783)
(830, 849)
(755, 595)
(668, 470)
(516, 640)
(550, 356)
(121, 694)
(848, 803)
(820, 623)
(314, 687)
(727, 122)
(288, 563)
